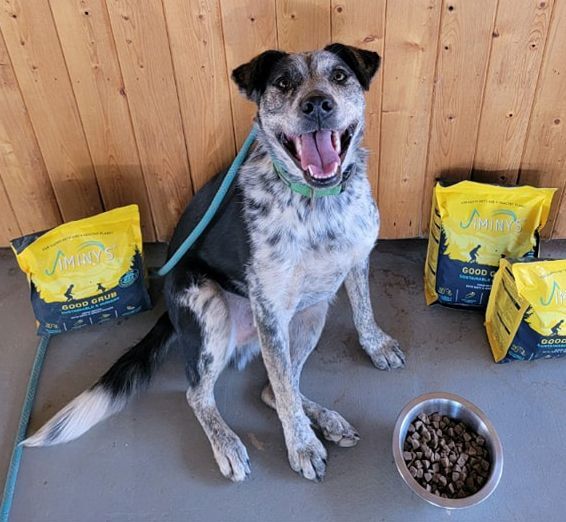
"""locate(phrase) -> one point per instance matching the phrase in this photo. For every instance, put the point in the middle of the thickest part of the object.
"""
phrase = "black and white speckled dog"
(299, 222)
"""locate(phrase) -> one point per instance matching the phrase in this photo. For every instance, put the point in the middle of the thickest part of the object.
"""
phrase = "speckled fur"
(262, 278)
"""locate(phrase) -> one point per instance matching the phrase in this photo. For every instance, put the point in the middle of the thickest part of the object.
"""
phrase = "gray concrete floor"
(152, 462)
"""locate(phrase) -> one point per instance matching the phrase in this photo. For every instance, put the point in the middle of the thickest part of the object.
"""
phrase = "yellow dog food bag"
(526, 311)
(473, 225)
(85, 272)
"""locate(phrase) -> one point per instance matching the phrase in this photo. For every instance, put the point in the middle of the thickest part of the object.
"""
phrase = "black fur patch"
(252, 77)
(364, 64)
(134, 369)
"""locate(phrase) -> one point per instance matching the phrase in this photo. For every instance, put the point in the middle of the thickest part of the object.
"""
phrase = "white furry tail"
(128, 375)
(81, 414)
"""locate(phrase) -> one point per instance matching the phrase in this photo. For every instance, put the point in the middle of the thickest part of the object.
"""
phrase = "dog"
(299, 222)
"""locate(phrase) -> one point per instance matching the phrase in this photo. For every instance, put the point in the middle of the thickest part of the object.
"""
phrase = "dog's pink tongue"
(318, 154)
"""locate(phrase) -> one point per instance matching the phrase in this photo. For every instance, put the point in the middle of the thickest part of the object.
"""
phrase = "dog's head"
(310, 107)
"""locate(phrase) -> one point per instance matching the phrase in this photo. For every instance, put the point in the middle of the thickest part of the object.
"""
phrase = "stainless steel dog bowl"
(458, 408)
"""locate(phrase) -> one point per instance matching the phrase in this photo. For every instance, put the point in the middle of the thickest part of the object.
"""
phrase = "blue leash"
(213, 207)
(16, 458)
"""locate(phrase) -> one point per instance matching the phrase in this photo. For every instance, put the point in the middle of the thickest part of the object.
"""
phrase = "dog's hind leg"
(205, 330)
(304, 332)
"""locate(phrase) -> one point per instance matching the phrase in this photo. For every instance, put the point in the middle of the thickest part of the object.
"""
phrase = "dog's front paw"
(309, 458)
(231, 456)
(386, 354)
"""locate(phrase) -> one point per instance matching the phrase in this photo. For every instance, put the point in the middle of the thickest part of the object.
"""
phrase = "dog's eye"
(283, 83)
(339, 76)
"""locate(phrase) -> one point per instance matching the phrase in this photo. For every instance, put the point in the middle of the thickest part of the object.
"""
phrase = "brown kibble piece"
(407, 455)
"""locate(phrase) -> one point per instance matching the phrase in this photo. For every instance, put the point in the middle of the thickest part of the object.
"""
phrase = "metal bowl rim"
(497, 458)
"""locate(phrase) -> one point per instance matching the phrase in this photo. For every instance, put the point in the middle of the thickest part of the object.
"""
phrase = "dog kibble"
(450, 456)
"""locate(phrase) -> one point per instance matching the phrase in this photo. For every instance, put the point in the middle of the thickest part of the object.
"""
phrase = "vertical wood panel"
(21, 165)
(411, 39)
(88, 45)
(362, 24)
(249, 29)
(463, 50)
(197, 46)
(544, 157)
(38, 62)
(9, 228)
(303, 26)
(145, 59)
(559, 231)
(520, 34)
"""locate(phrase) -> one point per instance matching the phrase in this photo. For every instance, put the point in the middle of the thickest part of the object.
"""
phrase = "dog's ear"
(363, 63)
(251, 77)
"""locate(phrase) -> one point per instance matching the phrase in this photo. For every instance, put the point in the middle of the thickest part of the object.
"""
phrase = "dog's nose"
(317, 106)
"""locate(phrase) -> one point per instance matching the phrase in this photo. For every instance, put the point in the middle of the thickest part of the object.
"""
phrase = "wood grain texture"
(107, 102)
(411, 38)
(520, 33)
(22, 169)
(362, 24)
(33, 45)
(197, 46)
(303, 26)
(249, 29)
(544, 157)
(145, 59)
(559, 230)
(9, 228)
(463, 51)
(88, 45)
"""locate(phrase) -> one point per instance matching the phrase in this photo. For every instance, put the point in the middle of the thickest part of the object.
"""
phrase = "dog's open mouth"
(319, 154)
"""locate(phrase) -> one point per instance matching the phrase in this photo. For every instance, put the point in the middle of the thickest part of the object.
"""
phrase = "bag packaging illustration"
(473, 225)
(526, 312)
(85, 272)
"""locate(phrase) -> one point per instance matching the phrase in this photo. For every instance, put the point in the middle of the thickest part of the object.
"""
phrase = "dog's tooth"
(336, 141)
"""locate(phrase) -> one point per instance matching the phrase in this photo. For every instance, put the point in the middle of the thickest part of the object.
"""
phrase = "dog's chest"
(303, 258)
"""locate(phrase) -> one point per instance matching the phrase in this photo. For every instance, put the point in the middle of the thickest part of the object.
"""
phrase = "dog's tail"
(129, 374)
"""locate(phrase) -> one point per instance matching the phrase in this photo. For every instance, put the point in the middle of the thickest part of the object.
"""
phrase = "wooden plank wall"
(110, 102)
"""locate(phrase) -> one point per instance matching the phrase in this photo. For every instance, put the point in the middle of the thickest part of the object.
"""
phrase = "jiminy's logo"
(503, 221)
(557, 296)
(89, 253)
